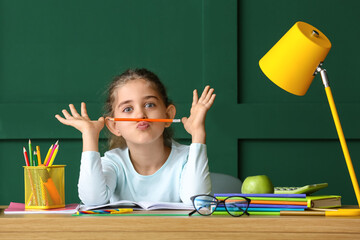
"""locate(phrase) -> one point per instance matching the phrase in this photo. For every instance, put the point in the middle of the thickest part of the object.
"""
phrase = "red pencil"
(26, 157)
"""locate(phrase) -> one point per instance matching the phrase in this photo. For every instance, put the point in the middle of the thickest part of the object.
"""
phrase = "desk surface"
(61, 226)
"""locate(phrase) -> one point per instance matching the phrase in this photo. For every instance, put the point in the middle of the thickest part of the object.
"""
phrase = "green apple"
(257, 184)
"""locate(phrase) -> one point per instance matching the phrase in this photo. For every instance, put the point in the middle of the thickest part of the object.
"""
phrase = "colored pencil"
(145, 120)
(48, 153)
(38, 155)
(26, 157)
(107, 211)
(30, 154)
(34, 158)
(52, 152)
(124, 210)
(53, 156)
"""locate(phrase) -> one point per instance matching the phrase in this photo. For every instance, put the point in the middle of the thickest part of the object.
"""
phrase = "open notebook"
(143, 205)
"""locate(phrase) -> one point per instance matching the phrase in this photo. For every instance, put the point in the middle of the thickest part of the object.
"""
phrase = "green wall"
(293, 139)
(53, 53)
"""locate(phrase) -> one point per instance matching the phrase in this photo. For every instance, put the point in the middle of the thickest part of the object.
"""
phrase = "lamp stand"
(339, 131)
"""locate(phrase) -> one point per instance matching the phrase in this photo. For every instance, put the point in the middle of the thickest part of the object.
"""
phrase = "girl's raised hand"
(195, 123)
(81, 122)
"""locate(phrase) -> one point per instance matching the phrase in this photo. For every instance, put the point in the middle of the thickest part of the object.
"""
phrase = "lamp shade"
(292, 61)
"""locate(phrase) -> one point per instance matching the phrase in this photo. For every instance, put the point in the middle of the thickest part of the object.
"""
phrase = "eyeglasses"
(206, 204)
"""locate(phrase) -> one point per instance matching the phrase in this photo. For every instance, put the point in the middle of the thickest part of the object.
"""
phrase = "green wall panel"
(290, 138)
(58, 52)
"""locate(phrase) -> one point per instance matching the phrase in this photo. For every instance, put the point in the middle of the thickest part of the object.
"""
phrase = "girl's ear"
(111, 125)
(170, 113)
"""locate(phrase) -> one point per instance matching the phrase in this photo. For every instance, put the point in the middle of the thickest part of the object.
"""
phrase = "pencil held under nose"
(144, 120)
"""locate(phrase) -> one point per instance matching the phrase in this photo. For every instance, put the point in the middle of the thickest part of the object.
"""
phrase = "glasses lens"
(236, 206)
(205, 205)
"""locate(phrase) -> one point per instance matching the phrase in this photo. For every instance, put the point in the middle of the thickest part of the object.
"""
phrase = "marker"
(144, 120)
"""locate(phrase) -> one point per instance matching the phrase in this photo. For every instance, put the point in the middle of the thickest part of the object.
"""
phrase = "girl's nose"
(140, 113)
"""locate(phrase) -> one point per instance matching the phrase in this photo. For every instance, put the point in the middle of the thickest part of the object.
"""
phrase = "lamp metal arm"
(323, 74)
(339, 130)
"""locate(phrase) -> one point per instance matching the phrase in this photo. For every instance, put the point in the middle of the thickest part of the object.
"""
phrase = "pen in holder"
(44, 187)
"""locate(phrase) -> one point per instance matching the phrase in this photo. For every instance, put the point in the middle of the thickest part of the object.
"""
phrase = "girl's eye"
(127, 109)
(149, 105)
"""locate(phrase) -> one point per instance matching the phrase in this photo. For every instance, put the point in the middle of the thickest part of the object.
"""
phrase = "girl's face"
(138, 99)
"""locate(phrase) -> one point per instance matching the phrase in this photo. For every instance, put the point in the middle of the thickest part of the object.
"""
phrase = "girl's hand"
(81, 122)
(90, 129)
(195, 123)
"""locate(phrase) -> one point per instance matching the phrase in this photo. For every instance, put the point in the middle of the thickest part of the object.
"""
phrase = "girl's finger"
(195, 97)
(204, 93)
(184, 120)
(62, 120)
(83, 110)
(101, 119)
(73, 111)
(66, 114)
(211, 101)
(209, 95)
(59, 117)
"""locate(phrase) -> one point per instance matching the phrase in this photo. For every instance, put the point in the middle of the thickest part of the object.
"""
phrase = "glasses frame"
(217, 204)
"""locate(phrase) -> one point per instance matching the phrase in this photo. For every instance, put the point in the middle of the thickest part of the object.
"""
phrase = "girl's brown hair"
(121, 80)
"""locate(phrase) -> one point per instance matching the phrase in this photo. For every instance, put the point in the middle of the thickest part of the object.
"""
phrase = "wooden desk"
(46, 226)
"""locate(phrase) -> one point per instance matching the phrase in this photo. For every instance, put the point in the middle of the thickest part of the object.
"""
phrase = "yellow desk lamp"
(292, 64)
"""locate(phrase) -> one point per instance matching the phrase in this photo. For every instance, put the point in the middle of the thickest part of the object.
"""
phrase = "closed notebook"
(19, 208)
(277, 213)
(303, 203)
(324, 201)
(276, 206)
(263, 209)
(263, 195)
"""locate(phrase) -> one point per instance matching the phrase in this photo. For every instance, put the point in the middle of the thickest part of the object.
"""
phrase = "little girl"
(144, 163)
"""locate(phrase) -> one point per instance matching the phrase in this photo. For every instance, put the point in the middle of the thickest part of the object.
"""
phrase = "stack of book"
(268, 204)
